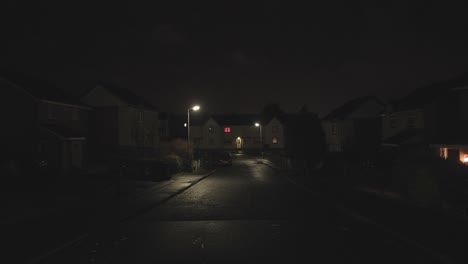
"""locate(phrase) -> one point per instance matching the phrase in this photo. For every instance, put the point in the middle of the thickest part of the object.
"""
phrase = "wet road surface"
(247, 213)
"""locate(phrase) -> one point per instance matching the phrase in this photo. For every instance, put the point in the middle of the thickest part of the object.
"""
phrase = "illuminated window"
(443, 153)
(465, 159)
(227, 130)
(275, 141)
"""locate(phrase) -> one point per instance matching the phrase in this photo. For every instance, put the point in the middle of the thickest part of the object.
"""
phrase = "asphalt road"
(247, 213)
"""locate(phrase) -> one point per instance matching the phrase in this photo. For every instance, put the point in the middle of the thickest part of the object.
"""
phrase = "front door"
(77, 154)
(239, 142)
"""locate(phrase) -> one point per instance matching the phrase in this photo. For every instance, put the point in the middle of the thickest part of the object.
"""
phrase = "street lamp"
(194, 108)
(261, 136)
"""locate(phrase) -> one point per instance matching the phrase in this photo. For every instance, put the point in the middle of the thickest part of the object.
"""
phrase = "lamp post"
(261, 136)
(194, 108)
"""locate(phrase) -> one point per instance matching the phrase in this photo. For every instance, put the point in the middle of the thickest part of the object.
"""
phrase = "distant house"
(355, 126)
(433, 116)
(237, 132)
(174, 126)
(43, 123)
(124, 124)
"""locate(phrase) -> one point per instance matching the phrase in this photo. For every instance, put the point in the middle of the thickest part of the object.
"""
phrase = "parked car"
(223, 159)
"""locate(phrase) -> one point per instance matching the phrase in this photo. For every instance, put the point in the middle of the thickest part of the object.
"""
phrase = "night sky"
(232, 57)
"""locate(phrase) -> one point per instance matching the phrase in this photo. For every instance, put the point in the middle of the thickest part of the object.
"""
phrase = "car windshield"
(234, 131)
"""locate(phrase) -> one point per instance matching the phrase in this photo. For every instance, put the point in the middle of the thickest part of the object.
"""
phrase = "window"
(275, 140)
(75, 114)
(333, 128)
(227, 130)
(274, 129)
(393, 122)
(443, 153)
(50, 111)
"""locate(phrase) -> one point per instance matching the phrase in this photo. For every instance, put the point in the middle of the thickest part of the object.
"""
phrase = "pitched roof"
(349, 107)
(124, 94)
(39, 88)
(427, 94)
(236, 119)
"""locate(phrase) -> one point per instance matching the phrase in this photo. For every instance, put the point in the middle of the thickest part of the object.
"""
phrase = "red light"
(227, 130)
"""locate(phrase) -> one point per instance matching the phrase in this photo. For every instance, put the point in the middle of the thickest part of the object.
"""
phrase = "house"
(434, 116)
(237, 132)
(124, 125)
(355, 126)
(43, 123)
(174, 126)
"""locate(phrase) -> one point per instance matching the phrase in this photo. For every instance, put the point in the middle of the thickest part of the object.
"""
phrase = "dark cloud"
(233, 57)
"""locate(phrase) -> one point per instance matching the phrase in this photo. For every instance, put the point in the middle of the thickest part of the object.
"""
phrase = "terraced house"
(123, 123)
(237, 132)
(432, 117)
(45, 125)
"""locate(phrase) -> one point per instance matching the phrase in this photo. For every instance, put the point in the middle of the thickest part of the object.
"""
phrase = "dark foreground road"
(246, 213)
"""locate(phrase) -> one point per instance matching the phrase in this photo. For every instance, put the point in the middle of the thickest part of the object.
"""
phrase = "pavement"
(443, 235)
(72, 216)
(247, 213)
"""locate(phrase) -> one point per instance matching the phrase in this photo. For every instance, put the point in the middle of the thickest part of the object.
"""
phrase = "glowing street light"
(194, 108)
(257, 124)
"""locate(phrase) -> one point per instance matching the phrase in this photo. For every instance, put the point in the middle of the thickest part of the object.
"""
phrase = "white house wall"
(333, 140)
(135, 133)
(250, 134)
(269, 134)
(211, 139)
(401, 123)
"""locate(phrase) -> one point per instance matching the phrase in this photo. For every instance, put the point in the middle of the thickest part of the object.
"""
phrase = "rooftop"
(349, 107)
(39, 88)
(427, 94)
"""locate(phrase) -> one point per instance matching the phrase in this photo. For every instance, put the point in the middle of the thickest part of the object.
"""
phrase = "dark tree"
(305, 138)
(271, 110)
